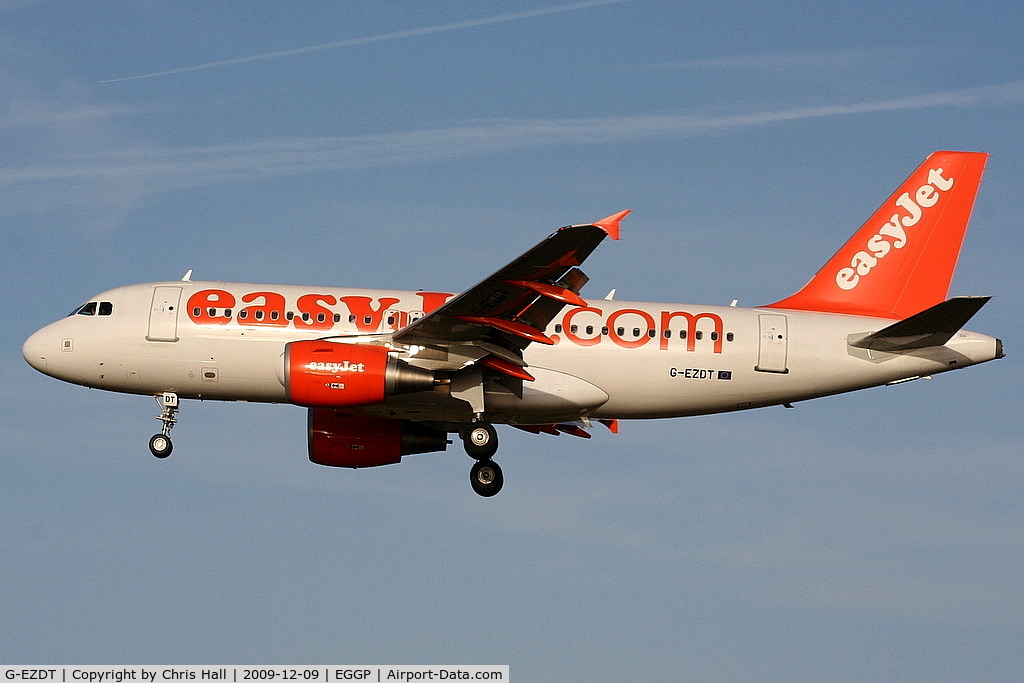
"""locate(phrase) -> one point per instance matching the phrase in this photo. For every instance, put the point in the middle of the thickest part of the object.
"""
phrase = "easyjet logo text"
(309, 312)
(336, 368)
(633, 328)
(628, 328)
(893, 234)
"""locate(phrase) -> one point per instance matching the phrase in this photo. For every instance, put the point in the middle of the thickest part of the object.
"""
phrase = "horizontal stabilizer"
(931, 327)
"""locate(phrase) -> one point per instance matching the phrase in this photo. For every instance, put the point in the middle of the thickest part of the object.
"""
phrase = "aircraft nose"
(37, 348)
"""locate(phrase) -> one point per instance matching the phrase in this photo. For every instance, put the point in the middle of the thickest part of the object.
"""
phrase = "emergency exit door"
(163, 315)
(773, 345)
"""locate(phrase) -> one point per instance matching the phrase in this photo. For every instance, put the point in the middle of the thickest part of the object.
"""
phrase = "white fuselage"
(610, 359)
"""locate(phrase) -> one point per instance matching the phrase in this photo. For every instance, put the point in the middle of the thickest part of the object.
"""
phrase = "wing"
(496, 319)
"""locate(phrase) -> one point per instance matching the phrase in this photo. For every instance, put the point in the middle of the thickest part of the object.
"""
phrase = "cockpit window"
(94, 308)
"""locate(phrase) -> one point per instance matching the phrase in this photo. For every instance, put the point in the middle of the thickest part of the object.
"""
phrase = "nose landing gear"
(160, 444)
(480, 440)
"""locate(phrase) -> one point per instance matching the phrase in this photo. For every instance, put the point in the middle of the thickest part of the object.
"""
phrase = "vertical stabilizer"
(901, 261)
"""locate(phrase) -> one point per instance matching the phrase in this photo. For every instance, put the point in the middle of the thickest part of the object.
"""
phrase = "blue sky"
(874, 535)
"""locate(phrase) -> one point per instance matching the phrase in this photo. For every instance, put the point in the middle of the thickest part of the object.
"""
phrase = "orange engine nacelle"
(337, 439)
(332, 375)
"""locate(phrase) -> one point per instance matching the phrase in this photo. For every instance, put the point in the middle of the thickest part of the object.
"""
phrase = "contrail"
(397, 35)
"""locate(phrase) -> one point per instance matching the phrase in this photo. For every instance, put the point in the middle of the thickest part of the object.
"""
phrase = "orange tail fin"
(901, 261)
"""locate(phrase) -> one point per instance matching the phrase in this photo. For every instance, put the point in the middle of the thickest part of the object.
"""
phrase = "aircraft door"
(163, 315)
(773, 344)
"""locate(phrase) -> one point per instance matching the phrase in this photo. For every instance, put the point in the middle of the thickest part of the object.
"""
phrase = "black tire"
(480, 440)
(486, 478)
(160, 445)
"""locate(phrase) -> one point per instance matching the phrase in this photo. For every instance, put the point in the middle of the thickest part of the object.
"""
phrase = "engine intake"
(332, 375)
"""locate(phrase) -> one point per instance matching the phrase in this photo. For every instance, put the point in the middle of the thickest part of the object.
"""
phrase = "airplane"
(384, 374)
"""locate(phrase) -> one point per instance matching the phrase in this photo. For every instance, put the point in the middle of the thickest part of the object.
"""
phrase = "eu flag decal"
(725, 374)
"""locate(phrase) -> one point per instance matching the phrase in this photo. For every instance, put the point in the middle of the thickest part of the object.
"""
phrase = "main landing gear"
(160, 444)
(481, 442)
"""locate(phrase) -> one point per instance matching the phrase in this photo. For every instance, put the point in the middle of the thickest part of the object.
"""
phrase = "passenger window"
(729, 336)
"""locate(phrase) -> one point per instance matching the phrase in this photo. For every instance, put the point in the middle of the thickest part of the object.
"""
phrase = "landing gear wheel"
(486, 478)
(480, 440)
(160, 445)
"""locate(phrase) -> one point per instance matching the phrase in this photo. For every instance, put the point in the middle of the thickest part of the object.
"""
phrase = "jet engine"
(337, 439)
(332, 375)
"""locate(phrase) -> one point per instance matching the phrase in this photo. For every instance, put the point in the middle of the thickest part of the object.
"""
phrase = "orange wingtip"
(611, 224)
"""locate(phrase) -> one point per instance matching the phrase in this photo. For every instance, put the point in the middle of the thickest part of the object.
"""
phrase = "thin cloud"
(33, 114)
(785, 61)
(383, 37)
(124, 176)
(190, 166)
